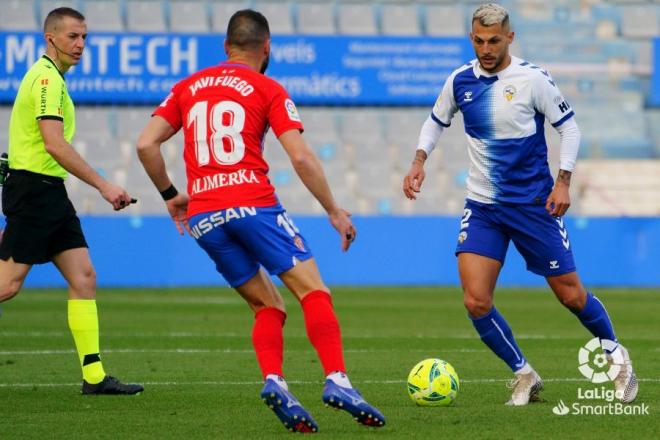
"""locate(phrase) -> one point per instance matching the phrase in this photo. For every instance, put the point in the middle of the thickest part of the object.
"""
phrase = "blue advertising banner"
(655, 80)
(129, 68)
(608, 252)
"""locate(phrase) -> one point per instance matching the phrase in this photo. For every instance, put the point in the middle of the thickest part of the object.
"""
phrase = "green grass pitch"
(192, 350)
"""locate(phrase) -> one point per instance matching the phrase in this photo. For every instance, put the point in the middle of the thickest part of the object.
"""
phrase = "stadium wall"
(388, 251)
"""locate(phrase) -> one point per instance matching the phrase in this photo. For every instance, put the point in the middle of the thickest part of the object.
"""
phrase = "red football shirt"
(225, 112)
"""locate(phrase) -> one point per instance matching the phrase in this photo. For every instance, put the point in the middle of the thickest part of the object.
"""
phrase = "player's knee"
(85, 281)
(573, 300)
(274, 302)
(257, 307)
(570, 292)
(477, 306)
(9, 290)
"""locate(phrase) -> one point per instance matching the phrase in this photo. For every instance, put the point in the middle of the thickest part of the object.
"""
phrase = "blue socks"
(497, 335)
(595, 318)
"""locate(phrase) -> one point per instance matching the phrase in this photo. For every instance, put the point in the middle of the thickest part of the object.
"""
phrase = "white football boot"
(526, 388)
(625, 383)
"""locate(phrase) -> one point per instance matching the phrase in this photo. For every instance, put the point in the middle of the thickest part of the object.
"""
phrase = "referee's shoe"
(111, 385)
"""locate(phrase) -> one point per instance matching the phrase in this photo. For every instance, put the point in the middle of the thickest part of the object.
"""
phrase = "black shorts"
(41, 220)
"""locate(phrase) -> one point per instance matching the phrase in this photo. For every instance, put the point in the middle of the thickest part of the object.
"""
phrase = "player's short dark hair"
(247, 29)
(58, 14)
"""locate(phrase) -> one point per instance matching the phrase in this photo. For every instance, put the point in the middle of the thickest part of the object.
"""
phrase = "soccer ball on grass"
(433, 382)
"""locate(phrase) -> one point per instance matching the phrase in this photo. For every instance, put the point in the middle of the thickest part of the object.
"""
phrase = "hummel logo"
(564, 233)
(468, 96)
(554, 264)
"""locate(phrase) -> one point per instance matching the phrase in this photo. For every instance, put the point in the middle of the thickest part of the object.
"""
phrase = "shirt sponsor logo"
(291, 110)
(219, 218)
(219, 180)
(42, 99)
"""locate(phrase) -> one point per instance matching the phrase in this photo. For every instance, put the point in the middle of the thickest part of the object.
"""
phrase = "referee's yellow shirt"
(41, 95)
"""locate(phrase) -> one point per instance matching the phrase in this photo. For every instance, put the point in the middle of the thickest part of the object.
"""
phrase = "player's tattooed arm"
(564, 177)
(412, 183)
(420, 157)
(559, 199)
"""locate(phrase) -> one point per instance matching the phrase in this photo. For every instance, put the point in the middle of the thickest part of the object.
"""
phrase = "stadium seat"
(45, 6)
(404, 124)
(360, 124)
(131, 121)
(188, 16)
(145, 16)
(103, 154)
(93, 120)
(316, 18)
(640, 21)
(103, 15)
(5, 114)
(400, 19)
(444, 20)
(319, 121)
(619, 187)
(221, 12)
(357, 19)
(374, 175)
(643, 50)
(18, 15)
(278, 15)
(4, 141)
(274, 152)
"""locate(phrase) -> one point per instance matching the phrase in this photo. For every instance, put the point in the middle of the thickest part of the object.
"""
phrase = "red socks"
(268, 340)
(323, 330)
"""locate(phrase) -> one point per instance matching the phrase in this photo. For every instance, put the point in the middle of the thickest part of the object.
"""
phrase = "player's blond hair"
(490, 14)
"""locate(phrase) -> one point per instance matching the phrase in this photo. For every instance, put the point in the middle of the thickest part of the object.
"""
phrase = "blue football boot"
(351, 401)
(287, 408)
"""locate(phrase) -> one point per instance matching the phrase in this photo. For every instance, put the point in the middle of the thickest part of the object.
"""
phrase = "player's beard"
(498, 62)
(264, 65)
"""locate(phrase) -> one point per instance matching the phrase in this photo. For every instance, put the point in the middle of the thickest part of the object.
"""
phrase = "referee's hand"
(115, 195)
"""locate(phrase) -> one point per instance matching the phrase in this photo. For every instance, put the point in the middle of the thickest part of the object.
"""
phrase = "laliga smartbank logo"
(600, 362)
(593, 362)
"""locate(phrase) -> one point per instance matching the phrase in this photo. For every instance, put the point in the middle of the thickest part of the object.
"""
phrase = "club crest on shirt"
(509, 92)
(462, 237)
(291, 110)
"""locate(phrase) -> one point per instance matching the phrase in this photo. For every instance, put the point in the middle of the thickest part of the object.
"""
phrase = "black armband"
(169, 193)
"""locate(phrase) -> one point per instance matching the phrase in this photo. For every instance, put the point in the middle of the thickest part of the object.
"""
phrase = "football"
(433, 382)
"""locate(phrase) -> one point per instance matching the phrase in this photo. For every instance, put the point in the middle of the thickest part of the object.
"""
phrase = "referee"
(42, 225)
